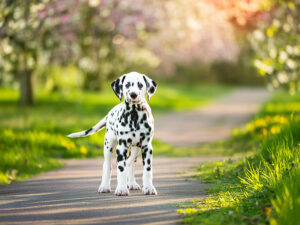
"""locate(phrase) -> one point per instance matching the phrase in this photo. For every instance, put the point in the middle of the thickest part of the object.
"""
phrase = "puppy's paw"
(121, 191)
(149, 190)
(104, 189)
(133, 186)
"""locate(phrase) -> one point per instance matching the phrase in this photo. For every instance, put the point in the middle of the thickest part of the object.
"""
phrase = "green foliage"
(276, 43)
(240, 72)
(32, 139)
(263, 188)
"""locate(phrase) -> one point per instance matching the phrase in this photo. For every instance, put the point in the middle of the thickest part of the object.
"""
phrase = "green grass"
(32, 139)
(260, 189)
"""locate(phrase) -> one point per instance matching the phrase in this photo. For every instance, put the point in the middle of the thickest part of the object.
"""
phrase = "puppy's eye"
(127, 85)
(140, 85)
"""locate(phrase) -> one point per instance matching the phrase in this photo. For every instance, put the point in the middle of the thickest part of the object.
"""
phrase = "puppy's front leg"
(121, 174)
(132, 184)
(148, 188)
(109, 145)
(105, 182)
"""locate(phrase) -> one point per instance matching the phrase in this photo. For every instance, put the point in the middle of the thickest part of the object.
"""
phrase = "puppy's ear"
(151, 86)
(117, 86)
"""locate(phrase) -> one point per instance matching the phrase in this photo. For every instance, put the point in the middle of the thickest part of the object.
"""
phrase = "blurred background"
(58, 57)
(63, 45)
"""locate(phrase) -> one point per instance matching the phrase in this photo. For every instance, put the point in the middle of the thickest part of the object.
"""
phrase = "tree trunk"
(26, 88)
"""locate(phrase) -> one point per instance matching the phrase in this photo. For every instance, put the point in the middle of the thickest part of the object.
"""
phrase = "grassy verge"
(32, 139)
(263, 188)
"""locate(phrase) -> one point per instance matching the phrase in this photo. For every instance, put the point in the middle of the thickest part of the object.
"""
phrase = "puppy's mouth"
(133, 101)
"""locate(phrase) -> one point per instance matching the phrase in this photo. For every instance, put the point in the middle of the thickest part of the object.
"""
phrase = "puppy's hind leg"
(109, 145)
(131, 182)
(148, 188)
(122, 188)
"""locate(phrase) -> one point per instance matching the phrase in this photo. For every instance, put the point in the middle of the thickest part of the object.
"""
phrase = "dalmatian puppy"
(129, 126)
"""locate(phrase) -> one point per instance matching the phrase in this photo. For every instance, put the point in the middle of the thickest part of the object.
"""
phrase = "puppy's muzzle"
(133, 95)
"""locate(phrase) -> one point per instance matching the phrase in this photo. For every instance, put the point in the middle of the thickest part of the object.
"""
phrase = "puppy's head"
(134, 87)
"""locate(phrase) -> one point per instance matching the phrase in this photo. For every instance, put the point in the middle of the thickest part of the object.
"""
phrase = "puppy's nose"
(133, 95)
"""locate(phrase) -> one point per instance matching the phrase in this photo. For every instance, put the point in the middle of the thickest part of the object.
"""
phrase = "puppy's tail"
(99, 126)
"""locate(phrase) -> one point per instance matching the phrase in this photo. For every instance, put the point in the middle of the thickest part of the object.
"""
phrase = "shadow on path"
(69, 195)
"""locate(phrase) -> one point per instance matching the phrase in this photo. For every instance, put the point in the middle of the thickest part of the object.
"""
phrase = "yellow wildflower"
(275, 129)
(282, 120)
(264, 132)
(260, 123)
(190, 210)
(180, 211)
(268, 211)
(83, 150)
(67, 144)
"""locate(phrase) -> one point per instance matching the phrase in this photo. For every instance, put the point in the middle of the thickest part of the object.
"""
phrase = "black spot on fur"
(146, 82)
(120, 158)
(134, 117)
(121, 141)
(111, 149)
(127, 106)
(121, 132)
(140, 85)
(144, 118)
(117, 87)
(127, 85)
(154, 83)
(123, 79)
(142, 139)
(121, 168)
(133, 134)
(147, 126)
(88, 131)
(129, 140)
(148, 161)
(150, 152)
(144, 156)
(151, 90)
(148, 168)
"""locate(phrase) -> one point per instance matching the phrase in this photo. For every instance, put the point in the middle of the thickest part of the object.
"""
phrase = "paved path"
(213, 122)
(69, 195)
